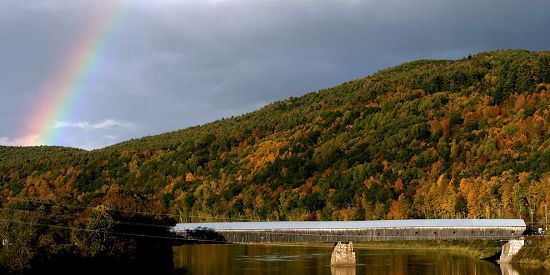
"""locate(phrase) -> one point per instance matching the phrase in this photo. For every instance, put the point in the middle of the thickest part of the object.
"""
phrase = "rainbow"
(62, 94)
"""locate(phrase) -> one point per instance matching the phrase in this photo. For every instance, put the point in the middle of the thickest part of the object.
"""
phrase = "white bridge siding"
(356, 231)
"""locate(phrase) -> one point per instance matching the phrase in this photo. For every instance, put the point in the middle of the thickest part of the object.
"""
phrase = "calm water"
(260, 259)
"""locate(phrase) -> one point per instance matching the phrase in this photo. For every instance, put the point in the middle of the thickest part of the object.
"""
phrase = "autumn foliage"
(426, 139)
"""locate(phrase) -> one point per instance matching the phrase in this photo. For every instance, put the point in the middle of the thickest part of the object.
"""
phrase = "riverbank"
(536, 251)
(476, 249)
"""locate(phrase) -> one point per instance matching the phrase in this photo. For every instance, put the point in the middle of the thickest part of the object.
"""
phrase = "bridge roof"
(289, 225)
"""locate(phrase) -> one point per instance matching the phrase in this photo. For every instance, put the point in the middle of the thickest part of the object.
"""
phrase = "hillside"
(425, 139)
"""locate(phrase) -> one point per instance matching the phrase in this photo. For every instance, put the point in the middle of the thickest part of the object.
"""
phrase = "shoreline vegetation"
(476, 249)
(536, 251)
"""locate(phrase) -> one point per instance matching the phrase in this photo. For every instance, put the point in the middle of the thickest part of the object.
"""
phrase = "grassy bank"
(476, 249)
(536, 251)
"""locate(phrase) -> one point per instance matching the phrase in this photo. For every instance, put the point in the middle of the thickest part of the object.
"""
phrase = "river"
(304, 260)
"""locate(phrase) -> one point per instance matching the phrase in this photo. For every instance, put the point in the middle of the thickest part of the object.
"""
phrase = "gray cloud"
(105, 124)
(177, 63)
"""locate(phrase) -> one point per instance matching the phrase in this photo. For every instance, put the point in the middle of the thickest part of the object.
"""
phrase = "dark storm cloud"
(173, 64)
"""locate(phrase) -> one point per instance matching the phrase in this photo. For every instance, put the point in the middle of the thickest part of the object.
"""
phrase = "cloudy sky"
(168, 64)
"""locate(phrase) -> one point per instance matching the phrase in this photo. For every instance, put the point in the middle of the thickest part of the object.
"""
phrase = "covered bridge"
(356, 231)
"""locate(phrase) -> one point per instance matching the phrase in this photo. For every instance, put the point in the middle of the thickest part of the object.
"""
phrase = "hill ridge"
(424, 139)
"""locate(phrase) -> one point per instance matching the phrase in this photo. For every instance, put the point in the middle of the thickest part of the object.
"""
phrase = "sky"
(157, 66)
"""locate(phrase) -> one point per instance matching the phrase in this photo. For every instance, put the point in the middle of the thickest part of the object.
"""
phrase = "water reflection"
(303, 260)
(507, 269)
(421, 261)
(342, 270)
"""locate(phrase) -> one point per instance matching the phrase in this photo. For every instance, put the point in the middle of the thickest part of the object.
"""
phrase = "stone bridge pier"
(511, 248)
(343, 255)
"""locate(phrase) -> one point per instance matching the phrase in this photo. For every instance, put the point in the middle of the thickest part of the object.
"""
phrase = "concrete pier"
(343, 255)
(510, 249)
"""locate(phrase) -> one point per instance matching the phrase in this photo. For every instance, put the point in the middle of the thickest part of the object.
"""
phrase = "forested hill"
(425, 139)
